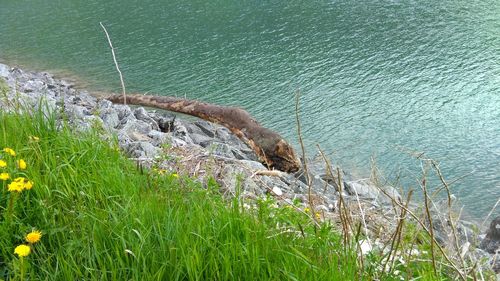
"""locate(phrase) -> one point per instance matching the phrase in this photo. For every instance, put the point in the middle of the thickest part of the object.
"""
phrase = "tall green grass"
(105, 218)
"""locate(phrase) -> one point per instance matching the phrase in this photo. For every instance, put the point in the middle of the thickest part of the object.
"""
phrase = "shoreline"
(201, 149)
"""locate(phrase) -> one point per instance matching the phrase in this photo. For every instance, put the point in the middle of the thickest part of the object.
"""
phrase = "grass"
(103, 218)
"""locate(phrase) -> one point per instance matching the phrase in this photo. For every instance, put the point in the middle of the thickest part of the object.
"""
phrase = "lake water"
(377, 78)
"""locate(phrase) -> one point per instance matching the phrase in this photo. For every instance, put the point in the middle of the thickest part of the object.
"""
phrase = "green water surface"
(377, 78)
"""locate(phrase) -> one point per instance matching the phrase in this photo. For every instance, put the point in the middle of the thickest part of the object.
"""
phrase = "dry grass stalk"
(299, 132)
(426, 229)
(450, 218)
(423, 185)
(398, 233)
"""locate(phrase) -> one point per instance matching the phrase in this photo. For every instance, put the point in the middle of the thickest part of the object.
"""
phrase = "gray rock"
(141, 149)
(233, 176)
(221, 149)
(157, 137)
(109, 117)
(254, 165)
(223, 134)
(76, 112)
(141, 114)
(176, 142)
(367, 190)
(201, 140)
(105, 105)
(123, 112)
(4, 70)
(165, 121)
(491, 243)
(137, 130)
(277, 191)
(321, 208)
(36, 86)
(207, 128)
(181, 133)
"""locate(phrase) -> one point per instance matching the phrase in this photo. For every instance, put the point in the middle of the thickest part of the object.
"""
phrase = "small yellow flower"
(22, 250)
(28, 185)
(318, 215)
(307, 210)
(34, 236)
(9, 151)
(4, 176)
(3, 164)
(21, 164)
(175, 175)
(15, 186)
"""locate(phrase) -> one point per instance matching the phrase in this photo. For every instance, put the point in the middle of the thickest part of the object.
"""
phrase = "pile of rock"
(203, 149)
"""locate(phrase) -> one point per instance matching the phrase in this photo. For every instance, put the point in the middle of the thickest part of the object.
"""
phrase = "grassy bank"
(104, 218)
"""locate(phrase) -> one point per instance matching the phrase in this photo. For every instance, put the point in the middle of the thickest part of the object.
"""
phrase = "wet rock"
(491, 243)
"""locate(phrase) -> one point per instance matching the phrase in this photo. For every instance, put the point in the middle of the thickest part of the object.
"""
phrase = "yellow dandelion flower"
(9, 151)
(3, 164)
(307, 210)
(28, 185)
(21, 164)
(15, 186)
(318, 215)
(34, 236)
(19, 179)
(22, 250)
(4, 176)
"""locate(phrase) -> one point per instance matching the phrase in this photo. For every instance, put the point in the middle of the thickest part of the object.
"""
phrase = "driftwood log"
(272, 150)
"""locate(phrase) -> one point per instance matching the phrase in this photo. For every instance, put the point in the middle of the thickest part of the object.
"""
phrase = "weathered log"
(272, 150)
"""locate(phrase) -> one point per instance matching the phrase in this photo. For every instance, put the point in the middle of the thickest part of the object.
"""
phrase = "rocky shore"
(196, 148)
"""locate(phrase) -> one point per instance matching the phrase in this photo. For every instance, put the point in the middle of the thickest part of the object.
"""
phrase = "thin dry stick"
(397, 235)
(299, 132)
(489, 214)
(343, 212)
(329, 171)
(116, 63)
(450, 218)
(416, 218)
(429, 217)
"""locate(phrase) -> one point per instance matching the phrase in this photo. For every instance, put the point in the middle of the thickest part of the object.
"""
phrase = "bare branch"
(116, 63)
